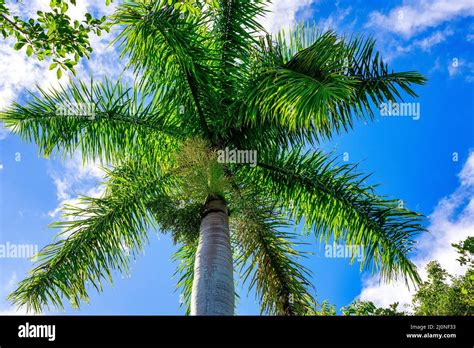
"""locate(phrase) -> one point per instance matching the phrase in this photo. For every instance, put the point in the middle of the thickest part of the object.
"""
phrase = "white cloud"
(451, 222)
(18, 72)
(461, 67)
(10, 284)
(3, 132)
(454, 66)
(419, 15)
(425, 44)
(283, 14)
(74, 178)
(467, 174)
(335, 20)
(434, 39)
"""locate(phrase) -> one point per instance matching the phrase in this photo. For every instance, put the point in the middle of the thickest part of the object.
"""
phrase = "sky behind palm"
(428, 163)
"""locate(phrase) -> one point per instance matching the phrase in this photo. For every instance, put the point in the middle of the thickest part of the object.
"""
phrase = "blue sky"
(427, 163)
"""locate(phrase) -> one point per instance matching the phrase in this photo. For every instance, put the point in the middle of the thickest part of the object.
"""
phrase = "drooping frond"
(269, 260)
(297, 100)
(185, 256)
(98, 237)
(334, 201)
(178, 217)
(105, 121)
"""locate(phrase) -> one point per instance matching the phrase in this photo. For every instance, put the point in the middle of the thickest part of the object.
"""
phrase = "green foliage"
(444, 294)
(180, 60)
(465, 250)
(368, 308)
(268, 258)
(124, 123)
(185, 257)
(192, 7)
(440, 294)
(322, 309)
(318, 82)
(334, 201)
(53, 33)
(325, 309)
(207, 80)
(200, 173)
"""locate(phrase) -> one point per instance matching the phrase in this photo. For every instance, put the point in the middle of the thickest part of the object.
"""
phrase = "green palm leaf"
(323, 86)
(268, 258)
(122, 124)
(98, 237)
(334, 201)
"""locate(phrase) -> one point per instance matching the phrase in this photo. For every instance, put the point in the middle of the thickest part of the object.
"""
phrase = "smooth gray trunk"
(213, 286)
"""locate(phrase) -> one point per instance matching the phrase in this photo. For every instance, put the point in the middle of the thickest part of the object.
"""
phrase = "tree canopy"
(205, 81)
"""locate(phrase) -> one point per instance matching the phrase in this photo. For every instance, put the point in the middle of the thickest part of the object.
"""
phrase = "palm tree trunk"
(213, 285)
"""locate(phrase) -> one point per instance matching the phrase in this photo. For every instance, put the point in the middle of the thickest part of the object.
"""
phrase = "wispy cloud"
(3, 132)
(336, 20)
(415, 17)
(459, 67)
(20, 73)
(75, 178)
(434, 39)
(451, 222)
(425, 44)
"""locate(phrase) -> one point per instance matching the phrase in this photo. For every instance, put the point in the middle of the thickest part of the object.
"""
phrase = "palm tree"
(207, 82)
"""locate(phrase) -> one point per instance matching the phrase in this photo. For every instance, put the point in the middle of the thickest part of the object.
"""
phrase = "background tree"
(53, 34)
(440, 294)
(445, 294)
(366, 308)
(207, 82)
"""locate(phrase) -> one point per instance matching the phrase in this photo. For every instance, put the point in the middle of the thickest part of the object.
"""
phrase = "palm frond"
(98, 237)
(185, 257)
(334, 201)
(105, 121)
(236, 28)
(171, 51)
(268, 257)
(319, 83)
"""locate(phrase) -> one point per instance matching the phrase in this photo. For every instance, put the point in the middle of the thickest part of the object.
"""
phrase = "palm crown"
(205, 82)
